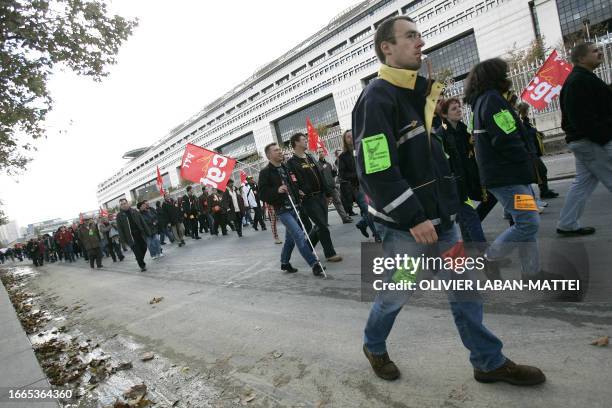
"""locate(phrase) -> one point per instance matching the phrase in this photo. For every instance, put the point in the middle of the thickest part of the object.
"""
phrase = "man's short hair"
(384, 32)
(523, 109)
(268, 147)
(139, 204)
(122, 200)
(579, 51)
(295, 138)
(188, 188)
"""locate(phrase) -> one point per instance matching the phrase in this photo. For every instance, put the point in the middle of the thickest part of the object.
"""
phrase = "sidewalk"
(560, 166)
(20, 369)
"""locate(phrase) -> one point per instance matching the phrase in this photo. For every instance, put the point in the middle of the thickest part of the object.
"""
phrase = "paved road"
(227, 310)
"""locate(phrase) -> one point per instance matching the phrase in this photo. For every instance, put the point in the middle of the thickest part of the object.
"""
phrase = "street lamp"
(586, 22)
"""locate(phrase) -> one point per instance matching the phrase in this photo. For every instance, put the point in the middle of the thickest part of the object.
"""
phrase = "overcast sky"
(182, 55)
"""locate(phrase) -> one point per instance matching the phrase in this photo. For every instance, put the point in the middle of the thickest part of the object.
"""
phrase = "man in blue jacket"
(405, 173)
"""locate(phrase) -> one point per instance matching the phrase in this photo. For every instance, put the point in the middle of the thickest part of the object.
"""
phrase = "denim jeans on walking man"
(154, 245)
(593, 164)
(522, 234)
(485, 348)
(294, 235)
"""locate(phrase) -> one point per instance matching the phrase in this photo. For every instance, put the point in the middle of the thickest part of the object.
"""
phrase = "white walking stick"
(297, 213)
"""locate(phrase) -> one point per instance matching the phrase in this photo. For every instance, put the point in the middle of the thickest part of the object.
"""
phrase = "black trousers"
(237, 221)
(193, 226)
(315, 209)
(220, 221)
(95, 254)
(258, 218)
(140, 249)
(543, 173)
(347, 196)
(203, 223)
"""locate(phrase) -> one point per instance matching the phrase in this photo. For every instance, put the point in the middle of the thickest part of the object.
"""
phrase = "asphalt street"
(229, 311)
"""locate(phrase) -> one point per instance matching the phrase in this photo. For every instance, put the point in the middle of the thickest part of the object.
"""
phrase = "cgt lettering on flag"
(547, 83)
(207, 167)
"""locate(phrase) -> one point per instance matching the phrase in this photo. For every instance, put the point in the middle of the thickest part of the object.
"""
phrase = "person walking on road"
(133, 230)
(586, 118)
(404, 170)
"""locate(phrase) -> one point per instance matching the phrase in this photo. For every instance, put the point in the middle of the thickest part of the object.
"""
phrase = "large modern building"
(9, 232)
(322, 77)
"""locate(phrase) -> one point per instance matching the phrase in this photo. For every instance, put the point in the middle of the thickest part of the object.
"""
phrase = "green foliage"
(37, 36)
(535, 52)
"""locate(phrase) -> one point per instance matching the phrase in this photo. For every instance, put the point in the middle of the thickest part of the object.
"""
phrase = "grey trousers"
(338, 204)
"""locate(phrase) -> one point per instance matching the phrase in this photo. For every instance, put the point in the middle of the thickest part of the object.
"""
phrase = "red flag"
(243, 177)
(160, 183)
(314, 142)
(547, 83)
(103, 212)
(207, 167)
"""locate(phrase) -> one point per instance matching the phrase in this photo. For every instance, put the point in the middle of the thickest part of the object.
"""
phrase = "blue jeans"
(366, 218)
(522, 234)
(484, 346)
(469, 222)
(593, 164)
(154, 245)
(69, 253)
(294, 235)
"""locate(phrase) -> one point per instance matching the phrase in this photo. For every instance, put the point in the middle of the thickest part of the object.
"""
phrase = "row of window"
(471, 12)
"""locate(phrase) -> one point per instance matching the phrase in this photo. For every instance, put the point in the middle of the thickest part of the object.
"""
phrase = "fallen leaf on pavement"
(277, 354)
(136, 392)
(147, 356)
(156, 300)
(601, 342)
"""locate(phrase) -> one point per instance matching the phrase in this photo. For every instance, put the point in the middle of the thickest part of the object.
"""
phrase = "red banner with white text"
(547, 83)
(207, 167)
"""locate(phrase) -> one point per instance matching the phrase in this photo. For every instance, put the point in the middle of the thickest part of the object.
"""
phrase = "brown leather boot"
(382, 365)
(511, 373)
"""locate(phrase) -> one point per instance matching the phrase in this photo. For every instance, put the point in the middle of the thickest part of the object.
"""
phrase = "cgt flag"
(207, 167)
(160, 183)
(547, 83)
(103, 212)
(314, 142)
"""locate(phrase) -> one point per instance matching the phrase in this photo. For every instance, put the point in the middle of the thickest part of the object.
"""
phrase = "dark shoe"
(511, 373)
(335, 258)
(579, 231)
(121, 259)
(347, 220)
(100, 267)
(377, 239)
(264, 229)
(143, 269)
(288, 268)
(317, 270)
(162, 243)
(197, 238)
(549, 194)
(239, 235)
(382, 365)
(364, 230)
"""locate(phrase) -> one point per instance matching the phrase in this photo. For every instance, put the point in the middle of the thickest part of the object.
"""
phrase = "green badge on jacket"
(505, 121)
(376, 154)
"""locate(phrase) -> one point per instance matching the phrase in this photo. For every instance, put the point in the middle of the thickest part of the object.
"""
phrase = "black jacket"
(586, 107)
(190, 205)
(459, 147)
(346, 168)
(126, 234)
(501, 143)
(535, 144)
(328, 171)
(171, 213)
(270, 181)
(295, 167)
(405, 174)
(228, 203)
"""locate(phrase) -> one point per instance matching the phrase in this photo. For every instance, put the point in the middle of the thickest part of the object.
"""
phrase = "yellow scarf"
(406, 78)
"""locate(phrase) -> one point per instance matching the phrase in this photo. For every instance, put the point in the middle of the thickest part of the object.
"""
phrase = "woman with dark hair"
(458, 145)
(505, 164)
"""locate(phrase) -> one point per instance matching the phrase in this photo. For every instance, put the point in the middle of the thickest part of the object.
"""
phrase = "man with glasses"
(405, 173)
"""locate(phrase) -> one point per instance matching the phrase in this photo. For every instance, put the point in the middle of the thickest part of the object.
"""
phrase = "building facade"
(322, 77)
(9, 232)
